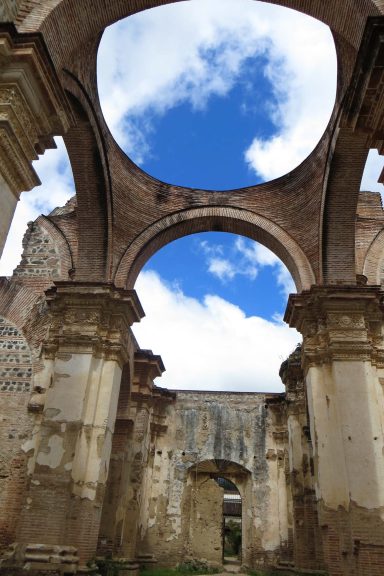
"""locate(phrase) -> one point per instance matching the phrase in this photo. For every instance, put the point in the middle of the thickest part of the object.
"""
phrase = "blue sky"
(213, 94)
(203, 146)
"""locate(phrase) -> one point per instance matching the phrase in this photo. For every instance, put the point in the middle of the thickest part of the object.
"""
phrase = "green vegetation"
(232, 541)
(188, 568)
(281, 573)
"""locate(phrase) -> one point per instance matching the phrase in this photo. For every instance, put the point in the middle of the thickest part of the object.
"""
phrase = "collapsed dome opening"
(207, 95)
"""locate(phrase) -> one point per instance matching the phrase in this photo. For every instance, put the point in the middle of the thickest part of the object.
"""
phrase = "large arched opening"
(214, 304)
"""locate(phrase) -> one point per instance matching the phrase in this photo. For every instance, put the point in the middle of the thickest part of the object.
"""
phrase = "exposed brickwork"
(323, 180)
(370, 237)
(15, 359)
(120, 218)
(15, 427)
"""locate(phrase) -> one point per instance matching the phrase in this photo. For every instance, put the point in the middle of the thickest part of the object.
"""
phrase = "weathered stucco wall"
(241, 436)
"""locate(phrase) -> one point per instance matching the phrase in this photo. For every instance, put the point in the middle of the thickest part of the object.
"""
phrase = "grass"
(280, 573)
(194, 568)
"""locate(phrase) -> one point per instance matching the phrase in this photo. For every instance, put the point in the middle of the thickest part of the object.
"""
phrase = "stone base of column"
(39, 560)
(146, 560)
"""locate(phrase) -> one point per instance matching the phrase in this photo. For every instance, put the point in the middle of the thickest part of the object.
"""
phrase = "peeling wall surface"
(210, 435)
(97, 461)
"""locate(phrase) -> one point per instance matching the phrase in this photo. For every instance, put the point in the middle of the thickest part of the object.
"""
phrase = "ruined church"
(96, 461)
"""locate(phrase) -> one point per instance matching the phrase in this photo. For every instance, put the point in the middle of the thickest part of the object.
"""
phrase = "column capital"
(33, 106)
(89, 317)
(339, 323)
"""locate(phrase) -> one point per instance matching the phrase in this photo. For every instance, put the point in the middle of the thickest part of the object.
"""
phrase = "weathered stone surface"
(91, 450)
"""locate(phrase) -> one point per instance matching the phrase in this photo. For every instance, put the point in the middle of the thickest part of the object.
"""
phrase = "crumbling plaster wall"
(23, 327)
(242, 429)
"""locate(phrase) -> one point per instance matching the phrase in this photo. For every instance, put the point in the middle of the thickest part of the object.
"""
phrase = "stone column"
(306, 538)
(88, 343)
(342, 351)
(33, 109)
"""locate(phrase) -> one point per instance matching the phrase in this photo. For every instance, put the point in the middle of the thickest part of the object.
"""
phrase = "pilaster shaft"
(342, 353)
(307, 544)
(142, 399)
(89, 341)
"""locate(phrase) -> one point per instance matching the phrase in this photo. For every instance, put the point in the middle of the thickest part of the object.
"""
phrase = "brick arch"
(374, 260)
(86, 151)
(344, 18)
(215, 218)
(219, 467)
(71, 30)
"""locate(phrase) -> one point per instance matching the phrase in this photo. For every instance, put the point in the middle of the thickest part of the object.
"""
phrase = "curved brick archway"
(374, 260)
(327, 183)
(223, 219)
(33, 15)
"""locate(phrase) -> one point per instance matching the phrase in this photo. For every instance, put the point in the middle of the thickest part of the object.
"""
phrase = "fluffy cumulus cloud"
(190, 51)
(305, 81)
(57, 187)
(211, 344)
(245, 258)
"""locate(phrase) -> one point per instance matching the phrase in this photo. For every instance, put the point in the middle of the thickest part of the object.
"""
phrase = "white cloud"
(222, 269)
(54, 171)
(210, 345)
(306, 81)
(255, 252)
(259, 255)
(189, 51)
(372, 171)
(245, 258)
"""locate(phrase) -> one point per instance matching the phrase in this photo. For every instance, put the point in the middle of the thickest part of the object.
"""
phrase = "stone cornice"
(148, 366)
(91, 318)
(339, 323)
(33, 106)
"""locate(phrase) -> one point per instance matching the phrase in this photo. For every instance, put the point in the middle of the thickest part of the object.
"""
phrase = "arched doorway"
(218, 531)
(232, 521)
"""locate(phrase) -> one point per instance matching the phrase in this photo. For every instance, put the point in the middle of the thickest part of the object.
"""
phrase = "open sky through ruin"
(212, 99)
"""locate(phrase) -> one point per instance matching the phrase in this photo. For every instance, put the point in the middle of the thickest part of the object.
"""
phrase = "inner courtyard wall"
(240, 436)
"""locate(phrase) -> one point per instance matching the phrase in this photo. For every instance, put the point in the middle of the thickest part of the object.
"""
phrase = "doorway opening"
(232, 523)
(219, 531)
(208, 298)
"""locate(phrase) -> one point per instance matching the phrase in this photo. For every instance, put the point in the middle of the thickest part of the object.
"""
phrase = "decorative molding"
(41, 559)
(33, 106)
(91, 318)
(144, 393)
(48, 558)
(339, 323)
